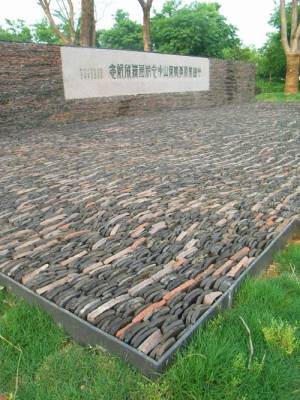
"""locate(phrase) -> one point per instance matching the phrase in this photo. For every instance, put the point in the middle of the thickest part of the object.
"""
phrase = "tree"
(146, 7)
(65, 13)
(291, 45)
(87, 24)
(125, 34)
(272, 63)
(246, 54)
(197, 29)
(16, 31)
(170, 7)
(40, 32)
(43, 33)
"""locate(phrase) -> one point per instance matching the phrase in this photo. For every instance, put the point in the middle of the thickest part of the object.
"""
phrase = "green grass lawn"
(217, 364)
(278, 97)
(273, 92)
(269, 86)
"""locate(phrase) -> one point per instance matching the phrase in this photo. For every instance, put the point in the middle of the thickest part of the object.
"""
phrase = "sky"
(250, 17)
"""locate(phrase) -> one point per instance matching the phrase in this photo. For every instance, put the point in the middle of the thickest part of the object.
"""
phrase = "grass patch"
(217, 365)
(278, 97)
(282, 335)
(32, 331)
(7, 301)
(269, 87)
(289, 259)
(274, 92)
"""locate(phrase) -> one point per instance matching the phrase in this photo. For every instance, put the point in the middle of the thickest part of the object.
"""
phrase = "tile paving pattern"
(139, 225)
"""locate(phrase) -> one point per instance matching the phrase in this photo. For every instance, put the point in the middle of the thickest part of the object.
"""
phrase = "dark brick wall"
(31, 90)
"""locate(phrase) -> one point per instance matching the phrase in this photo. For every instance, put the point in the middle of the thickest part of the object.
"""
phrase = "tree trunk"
(87, 24)
(146, 24)
(292, 73)
(69, 15)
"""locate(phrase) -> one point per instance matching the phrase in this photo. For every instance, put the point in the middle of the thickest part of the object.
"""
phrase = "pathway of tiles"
(139, 224)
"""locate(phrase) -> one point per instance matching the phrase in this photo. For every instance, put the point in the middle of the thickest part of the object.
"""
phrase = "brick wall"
(31, 90)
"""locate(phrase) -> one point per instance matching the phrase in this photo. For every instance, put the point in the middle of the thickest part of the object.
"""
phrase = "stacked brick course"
(32, 90)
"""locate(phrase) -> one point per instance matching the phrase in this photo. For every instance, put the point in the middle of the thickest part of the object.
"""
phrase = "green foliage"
(275, 18)
(246, 54)
(170, 7)
(272, 65)
(15, 31)
(281, 335)
(40, 32)
(63, 24)
(197, 29)
(43, 33)
(273, 62)
(264, 86)
(125, 34)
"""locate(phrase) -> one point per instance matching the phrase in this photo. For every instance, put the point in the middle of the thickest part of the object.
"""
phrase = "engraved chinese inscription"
(105, 73)
(132, 71)
(91, 73)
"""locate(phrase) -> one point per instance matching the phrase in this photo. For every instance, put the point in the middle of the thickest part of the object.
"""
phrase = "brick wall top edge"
(27, 44)
(48, 45)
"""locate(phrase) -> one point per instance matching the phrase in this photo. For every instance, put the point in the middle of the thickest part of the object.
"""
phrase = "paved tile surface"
(139, 225)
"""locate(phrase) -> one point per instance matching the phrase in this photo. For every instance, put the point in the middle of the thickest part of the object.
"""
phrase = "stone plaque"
(102, 73)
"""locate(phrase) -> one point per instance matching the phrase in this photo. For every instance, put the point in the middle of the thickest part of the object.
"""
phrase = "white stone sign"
(102, 73)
